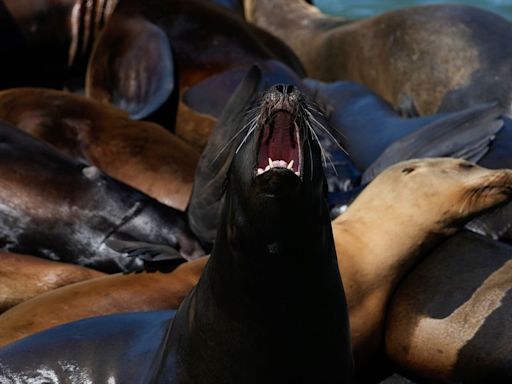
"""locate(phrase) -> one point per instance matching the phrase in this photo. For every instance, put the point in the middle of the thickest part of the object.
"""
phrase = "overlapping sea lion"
(23, 277)
(240, 323)
(449, 320)
(423, 201)
(425, 59)
(48, 43)
(60, 209)
(371, 260)
(149, 49)
(375, 136)
(140, 154)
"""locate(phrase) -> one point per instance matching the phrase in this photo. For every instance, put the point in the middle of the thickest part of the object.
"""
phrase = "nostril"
(280, 88)
(290, 89)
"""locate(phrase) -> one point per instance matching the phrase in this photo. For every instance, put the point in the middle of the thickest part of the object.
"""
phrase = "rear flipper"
(466, 134)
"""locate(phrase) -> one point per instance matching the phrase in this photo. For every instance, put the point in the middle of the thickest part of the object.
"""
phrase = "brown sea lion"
(449, 320)
(23, 277)
(141, 154)
(428, 58)
(149, 49)
(243, 322)
(144, 291)
(422, 201)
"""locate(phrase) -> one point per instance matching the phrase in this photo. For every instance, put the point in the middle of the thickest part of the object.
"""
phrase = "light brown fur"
(421, 53)
(141, 154)
(22, 277)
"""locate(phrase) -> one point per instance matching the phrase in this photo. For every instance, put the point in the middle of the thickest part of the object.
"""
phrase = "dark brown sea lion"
(449, 320)
(241, 322)
(429, 58)
(48, 43)
(422, 202)
(141, 154)
(60, 209)
(194, 39)
(23, 277)
(141, 291)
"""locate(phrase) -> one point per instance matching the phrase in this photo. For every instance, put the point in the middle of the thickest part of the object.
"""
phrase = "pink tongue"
(280, 146)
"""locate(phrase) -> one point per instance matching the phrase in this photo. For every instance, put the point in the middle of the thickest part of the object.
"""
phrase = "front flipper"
(131, 66)
(155, 256)
(466, 134)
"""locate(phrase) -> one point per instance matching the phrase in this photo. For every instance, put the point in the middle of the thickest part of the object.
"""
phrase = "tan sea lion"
(404, 212)
(143, 155)
(421, 59)
(23, 277)
(449, 320)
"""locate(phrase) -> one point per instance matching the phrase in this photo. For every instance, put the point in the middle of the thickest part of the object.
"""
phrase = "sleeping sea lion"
(63, 210)
(23, 277)
(140, 154)
(241, 322)
(422, 201)
(420, 59)
(449, 320)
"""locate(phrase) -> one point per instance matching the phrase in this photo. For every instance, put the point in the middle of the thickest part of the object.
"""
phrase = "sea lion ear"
(131, 67)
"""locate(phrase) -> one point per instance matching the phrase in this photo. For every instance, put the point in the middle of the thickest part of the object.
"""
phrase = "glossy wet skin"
(244, 322)
(59, 209)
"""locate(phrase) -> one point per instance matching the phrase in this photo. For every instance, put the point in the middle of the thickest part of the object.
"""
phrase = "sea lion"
(140, 154)
(372, 261)
(141, 291)
(420, 59)
(240, 323)
(376, 136)
(449, 320)
(23, 277)
(48, 43)
(60, 209)
(181, 42)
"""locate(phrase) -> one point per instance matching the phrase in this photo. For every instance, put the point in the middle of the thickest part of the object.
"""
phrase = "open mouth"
(280, 145)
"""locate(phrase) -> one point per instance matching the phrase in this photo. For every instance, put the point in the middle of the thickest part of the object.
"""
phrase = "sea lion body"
(426, 59)
(269, 351)
(60, 209)
(140, 154)
(23, 277)
(462, 336)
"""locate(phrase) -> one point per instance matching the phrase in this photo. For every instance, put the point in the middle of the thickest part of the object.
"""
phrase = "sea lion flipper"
(144, 251)
(131, 67)
(466, 134)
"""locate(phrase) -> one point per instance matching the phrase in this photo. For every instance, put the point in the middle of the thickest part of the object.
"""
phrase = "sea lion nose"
(290, 89)
(280, 88)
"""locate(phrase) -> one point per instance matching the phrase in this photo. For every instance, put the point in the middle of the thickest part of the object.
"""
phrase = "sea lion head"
(438, 192)
(279, 161)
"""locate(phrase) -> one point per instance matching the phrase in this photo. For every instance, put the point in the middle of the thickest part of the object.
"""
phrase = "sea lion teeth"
(270, 162)
(290, 166)
(260, 171)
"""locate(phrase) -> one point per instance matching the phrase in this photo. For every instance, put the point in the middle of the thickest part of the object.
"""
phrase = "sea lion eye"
(466, 165)
(408, 170)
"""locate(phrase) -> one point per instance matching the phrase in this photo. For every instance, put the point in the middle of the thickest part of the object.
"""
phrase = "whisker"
(251, 130)
(250, 123)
